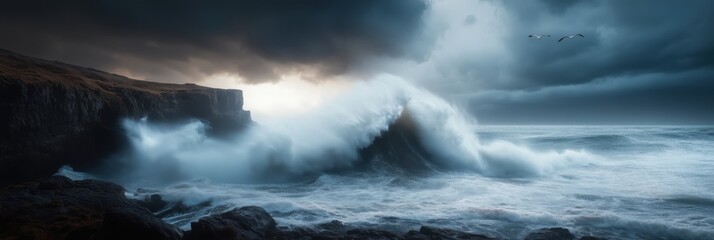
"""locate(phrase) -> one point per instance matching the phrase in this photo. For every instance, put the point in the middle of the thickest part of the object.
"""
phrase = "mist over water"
(329, 138)
(619, 182)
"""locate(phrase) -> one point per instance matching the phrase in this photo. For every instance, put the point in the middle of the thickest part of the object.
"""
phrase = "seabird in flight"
(538, 36)
(571, 36)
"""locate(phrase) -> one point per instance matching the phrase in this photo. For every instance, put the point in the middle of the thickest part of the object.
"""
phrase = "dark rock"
(154, 203)
(308, 234)
(551, 234)
(426, 232)
(334, 226)
(56, 114)
(127, 224)
(361, 233)
(329, 230)
(402, 145)
(415, 235)
(59, 208)
(242, 223)
(591, 238)
(336, 230)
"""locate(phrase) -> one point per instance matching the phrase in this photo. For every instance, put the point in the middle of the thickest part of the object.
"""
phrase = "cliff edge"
(52, 113)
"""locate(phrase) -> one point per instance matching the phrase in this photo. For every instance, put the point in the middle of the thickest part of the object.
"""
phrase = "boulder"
(154, 203)
(59, 208)
(556, 233)
(433, 233)
(590, 238)
(249, 222)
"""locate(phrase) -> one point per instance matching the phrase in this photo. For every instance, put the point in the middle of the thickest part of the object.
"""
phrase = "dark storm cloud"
(657, 58)
(622, 37)
(181, 40)
(662, 98)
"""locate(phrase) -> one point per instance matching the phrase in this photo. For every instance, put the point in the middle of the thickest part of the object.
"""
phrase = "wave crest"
(385, 119)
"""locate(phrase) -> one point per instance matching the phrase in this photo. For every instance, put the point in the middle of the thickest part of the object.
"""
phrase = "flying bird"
(571, 36)
(538, 36)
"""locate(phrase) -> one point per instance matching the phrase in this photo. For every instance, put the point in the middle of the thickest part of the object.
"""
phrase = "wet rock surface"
(153, 203)
(590, 238)
(556, 233)
(337, 230)
(243, 223)
(426, 232)
(59, 208)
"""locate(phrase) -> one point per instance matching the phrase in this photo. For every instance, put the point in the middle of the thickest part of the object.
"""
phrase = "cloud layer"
(186, 40)
(656, 57)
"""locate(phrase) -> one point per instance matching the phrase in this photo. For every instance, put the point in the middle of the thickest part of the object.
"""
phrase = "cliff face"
(53, 113)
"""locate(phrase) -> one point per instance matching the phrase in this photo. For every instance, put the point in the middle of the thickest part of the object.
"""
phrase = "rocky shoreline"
(60, 208)
(59, 114)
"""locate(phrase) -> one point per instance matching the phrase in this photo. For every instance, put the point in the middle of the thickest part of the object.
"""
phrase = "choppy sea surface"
(645, 182)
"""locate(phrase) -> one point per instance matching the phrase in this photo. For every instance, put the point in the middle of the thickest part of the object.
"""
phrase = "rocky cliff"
(52, 113)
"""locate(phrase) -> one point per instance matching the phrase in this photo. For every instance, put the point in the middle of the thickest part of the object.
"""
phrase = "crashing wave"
(384, 120)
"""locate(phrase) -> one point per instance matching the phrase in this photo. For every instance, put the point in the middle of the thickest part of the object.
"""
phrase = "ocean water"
(392, 156)
(648, 182)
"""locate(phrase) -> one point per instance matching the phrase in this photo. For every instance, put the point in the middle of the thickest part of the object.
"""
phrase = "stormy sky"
(640, 62)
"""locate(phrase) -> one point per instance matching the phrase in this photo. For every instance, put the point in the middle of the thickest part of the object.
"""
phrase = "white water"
(612, 181)
(654, 182)
(328, 138)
